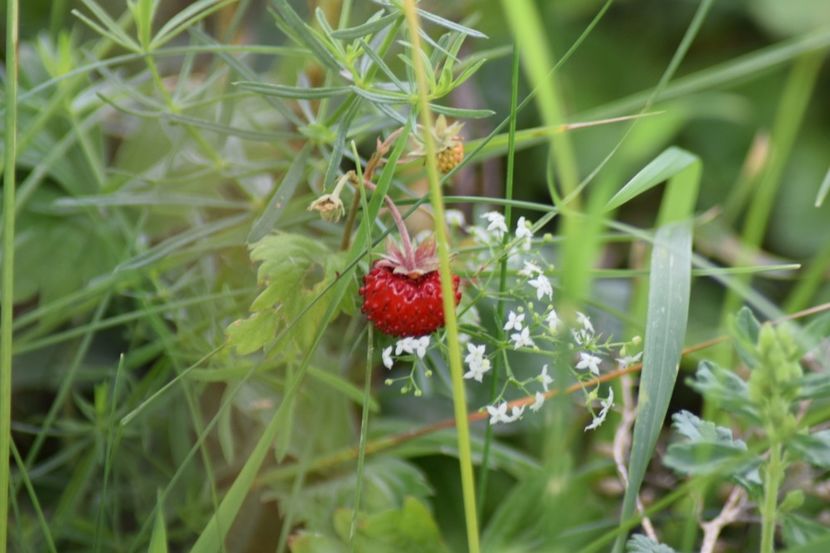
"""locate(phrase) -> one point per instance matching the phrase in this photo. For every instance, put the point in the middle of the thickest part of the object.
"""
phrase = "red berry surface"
(403, 306)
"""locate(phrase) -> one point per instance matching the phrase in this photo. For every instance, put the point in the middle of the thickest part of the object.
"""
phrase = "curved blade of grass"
(158, 540)
(669, 163)
(668, 308)
(668, 305)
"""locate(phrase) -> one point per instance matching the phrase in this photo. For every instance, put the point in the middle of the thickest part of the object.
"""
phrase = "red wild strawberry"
(402, 296)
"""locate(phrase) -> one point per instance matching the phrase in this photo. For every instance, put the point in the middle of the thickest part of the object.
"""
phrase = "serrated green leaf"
(802, 535)
(745, 329)
(814, 386)
(295, 269)
(705, 448)
(306, 542)
(254, 333)
(813, 448)
(411, 529)
(723, 386)
(643, 544)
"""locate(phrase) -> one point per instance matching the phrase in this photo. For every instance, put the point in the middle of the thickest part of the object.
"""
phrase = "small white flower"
(387, 357)
(590, 362)
(544, 377)
(515, 413)
(530, 270)
(553, 321)
(421, 345)
(498, 414)
(606, 406)
(405, 345)
(540, 400)
(581, 336)
(479, 365)
(628, 360)
(542, 286)
(454, 217)
(583, 319)
(524, 233)
(478, 368)
(474, 352)
(514, 321)
(522, 339)
(418, 346)
(496, 224)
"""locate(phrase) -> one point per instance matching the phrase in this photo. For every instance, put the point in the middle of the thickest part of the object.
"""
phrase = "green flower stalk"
(773, 387)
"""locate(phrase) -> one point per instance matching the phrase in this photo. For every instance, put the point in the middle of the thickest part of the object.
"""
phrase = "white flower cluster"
(499, 412)
(478, 364)
(497, 226)
(416, 346)
(534, 324)
(496, 229)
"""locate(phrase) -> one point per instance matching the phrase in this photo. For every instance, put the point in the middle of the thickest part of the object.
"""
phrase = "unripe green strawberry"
(449, 158)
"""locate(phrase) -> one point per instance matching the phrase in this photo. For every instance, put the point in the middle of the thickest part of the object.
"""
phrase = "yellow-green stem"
(450, 320)
(773, 474)
(7, 306)
(364, 433)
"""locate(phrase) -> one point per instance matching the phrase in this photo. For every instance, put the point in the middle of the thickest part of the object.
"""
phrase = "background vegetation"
(158, 401)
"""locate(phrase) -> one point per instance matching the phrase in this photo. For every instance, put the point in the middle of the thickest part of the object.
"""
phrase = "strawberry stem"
(373, 163)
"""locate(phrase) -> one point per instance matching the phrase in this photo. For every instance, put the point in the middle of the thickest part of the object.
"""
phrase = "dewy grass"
(7, 305)
(453, 344)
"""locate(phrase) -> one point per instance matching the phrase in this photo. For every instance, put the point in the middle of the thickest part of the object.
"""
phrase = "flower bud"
(329, 206)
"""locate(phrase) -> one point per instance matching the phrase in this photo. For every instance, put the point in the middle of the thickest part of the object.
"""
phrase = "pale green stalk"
(450, 320)
(364, 433)
(773, 475)
(7, 305)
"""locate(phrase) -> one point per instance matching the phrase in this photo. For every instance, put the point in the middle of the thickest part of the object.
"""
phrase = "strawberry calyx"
(410, 262)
